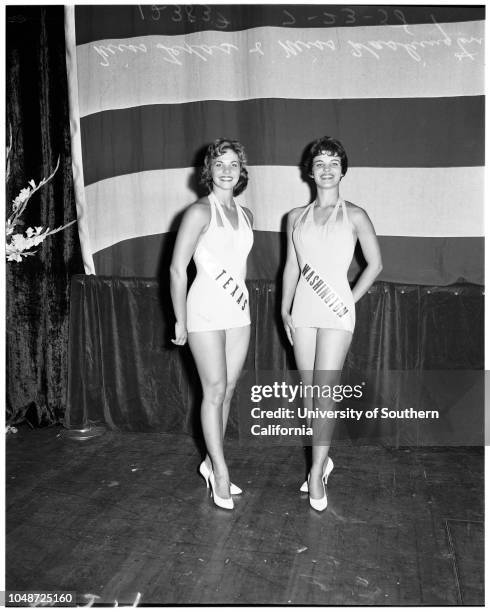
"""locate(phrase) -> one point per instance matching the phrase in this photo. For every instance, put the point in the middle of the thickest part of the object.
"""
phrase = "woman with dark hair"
(321, 239)
(215, 318)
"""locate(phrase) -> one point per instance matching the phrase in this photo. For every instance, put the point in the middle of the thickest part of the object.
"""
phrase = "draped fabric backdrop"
(37, 302)
(151, 86)
(401, 87)
(124, 371)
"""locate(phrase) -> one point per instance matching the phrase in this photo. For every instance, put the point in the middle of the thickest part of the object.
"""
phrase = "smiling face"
(225, 170)
(326, 170)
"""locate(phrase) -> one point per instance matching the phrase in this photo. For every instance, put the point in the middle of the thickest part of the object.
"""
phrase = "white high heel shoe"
(318, 504)
(326, 474)
(227, 504)
(205, 473)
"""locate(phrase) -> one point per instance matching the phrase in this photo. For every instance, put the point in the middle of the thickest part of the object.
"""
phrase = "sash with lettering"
(226, 280)
(324, 291)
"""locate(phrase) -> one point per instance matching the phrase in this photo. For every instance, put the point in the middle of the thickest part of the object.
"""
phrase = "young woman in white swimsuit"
(321, 240)
(215, 318)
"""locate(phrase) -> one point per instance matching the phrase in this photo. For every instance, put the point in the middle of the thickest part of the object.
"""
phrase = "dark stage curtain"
(125, 373)
(37, 300)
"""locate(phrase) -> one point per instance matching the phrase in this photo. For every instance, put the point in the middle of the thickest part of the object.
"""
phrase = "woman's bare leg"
(304, 346)
(331, 350)
(237, 340)
(208, 350)
(236, 348)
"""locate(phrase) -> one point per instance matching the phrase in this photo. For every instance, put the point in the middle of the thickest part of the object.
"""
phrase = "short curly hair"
(325, 144)
(217, 148)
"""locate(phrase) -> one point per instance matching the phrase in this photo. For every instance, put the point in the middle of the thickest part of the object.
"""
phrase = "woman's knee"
(215, 392)
(230, 389)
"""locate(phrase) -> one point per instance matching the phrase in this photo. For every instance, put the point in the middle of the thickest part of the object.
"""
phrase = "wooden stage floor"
(126, 514)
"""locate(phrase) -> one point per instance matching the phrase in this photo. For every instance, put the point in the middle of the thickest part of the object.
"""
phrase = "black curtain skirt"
(124, 372)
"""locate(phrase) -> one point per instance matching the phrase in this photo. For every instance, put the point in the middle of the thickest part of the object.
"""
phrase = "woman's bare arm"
(195, 221)
(290, 276)
(370, 250)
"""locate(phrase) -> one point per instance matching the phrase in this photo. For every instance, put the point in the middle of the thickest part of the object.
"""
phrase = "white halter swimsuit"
(218, 297)
(323, 297)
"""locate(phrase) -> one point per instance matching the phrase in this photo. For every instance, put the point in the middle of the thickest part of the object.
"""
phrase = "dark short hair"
(217, 148)
(325, 144)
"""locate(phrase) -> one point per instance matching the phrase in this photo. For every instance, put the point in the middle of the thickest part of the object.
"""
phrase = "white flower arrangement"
(21, 245)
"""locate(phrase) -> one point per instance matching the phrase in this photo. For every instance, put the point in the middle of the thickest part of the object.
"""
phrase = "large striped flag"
(400, 86)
